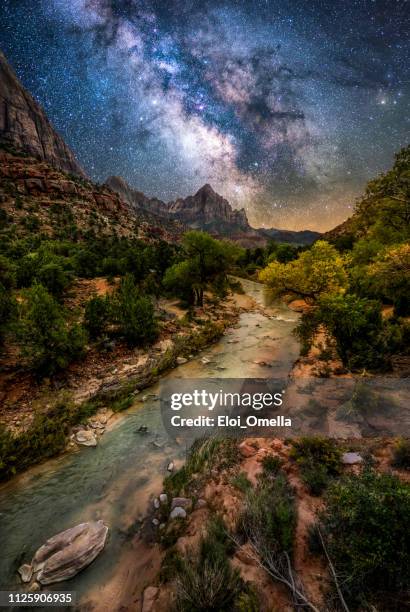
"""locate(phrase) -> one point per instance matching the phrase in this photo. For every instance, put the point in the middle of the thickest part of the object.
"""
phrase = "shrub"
(316, 478)
(319, 460)
(206, 581)
(317, 450)
(134, 313)
(271, 465)
(269, 518)
(7, 310)
(96, 315)
(7, 273)
(401, 456)
(365, 527)
(45, 338)
(53, 278)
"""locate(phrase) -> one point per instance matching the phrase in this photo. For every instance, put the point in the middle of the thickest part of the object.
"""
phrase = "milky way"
(286, 107)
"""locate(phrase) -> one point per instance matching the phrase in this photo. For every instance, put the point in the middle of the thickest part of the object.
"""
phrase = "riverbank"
(51, 426)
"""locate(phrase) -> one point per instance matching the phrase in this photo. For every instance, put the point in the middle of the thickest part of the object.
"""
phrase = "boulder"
(177, 512)
(85, 438)
(26, 572)
(148, 598)
(181, 360)
(182, 502)
(68, 552)
(171, 466)
(163, 498)
(156, 503)
(351, 458)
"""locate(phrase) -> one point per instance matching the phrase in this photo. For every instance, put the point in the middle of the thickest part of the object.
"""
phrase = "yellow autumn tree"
(316, 272)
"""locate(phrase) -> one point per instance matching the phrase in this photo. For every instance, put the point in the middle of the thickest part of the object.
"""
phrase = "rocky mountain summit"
(208, 211)
(24, 125)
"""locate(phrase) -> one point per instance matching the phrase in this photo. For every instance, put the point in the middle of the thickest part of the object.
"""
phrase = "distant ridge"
(208, 211)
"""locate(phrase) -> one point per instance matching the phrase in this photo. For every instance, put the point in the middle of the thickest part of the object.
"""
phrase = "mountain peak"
(24, 125)
(206, 190)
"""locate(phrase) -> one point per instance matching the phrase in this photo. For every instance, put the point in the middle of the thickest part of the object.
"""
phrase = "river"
(115, 480)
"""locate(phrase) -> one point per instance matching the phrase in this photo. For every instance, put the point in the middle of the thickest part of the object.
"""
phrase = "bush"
(206, 581)
(318, 451)
(365, 527)
(270, 516)
(53, 278)
(319, 460)
(45, 338)
(7, 310)
(96, 315)
(271, 465)
(401, 456)
(316, 478)
(134, 313)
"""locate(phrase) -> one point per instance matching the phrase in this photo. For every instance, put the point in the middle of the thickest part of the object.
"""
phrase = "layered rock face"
(24, 125)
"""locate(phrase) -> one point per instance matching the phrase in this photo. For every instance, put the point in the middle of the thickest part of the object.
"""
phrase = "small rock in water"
(177, 512)
(156, 503)
(352, 458)
(163, 498)
(142, 429)
(171, 466)
(181, 360)
(85, 438)
(26, 572)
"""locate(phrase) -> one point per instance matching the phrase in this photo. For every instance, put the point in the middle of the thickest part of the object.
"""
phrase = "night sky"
(287, 107)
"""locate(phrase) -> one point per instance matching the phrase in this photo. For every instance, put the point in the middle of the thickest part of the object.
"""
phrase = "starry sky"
(286, 107)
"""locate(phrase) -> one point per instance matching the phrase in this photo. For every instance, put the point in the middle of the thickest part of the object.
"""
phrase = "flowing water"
(115, 480)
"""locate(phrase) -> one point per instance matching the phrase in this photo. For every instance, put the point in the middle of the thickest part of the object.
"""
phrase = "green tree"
(134, 313)
(45, 337)
(355, 323)
(317, 271)
(390, 277)
(7, 310)
(54, 278)
(96, 315)
(8, 271)
(206, 260)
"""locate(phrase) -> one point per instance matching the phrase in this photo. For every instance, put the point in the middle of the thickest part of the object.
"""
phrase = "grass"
(205, 454)
(241, 482)
(205, 580)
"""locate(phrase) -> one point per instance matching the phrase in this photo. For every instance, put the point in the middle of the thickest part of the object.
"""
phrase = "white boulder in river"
(68, 552)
